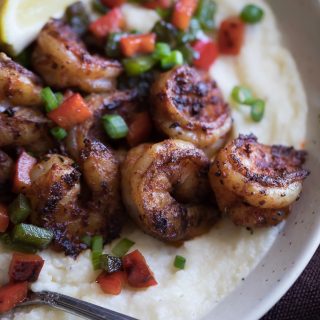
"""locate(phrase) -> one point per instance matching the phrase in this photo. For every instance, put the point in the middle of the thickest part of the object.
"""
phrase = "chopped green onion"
(251, 14)
(32, 235)
(58, 133)
(112, 47)
(175, 59)
(179, 262)
(162, 50)
(189, 54)
(138, 65)
(205, 13)
(99, 7)
(110, 263)
(77, 17)
(163, 13)
(59, 97)
(96, 247)
(166, 32)
(115, 126)
(87, 240)
(14, 246)
(122, 247)
(242, 95)
(19, 209)
(257, 110)
(191, 34)
(49, 98)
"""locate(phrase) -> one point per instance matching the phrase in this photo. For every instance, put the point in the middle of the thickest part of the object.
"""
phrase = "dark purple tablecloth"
(302, 301)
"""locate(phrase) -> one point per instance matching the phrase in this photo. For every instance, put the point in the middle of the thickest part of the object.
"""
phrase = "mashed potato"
(217, 261)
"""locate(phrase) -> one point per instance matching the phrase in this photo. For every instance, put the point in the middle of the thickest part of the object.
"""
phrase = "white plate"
(299, 22)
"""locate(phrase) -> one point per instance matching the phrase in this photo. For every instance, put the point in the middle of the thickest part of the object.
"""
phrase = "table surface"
(302, 301)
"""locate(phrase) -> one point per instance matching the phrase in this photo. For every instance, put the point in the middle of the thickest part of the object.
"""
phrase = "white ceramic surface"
(299, 22)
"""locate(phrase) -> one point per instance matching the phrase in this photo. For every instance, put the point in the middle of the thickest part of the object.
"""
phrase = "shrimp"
(18, 86)
(165, 188)
(55, 197)
(6, 167)
(25, 127)
(256, 184)
(190, 108)
(63, 61)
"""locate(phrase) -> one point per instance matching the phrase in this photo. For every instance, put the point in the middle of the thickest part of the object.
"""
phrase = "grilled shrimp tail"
(256, 184)
(165, 188)
(191, 108)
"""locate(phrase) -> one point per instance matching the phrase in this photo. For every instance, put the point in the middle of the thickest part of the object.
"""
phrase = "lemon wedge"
(21, 20)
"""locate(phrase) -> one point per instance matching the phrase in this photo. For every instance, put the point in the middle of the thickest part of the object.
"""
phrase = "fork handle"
(79, 308)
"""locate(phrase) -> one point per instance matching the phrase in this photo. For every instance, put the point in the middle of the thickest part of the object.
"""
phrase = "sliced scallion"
(115, 126)
(19, 209)
(32, 235)
(175, 59)
(242, 95)
(138, 65)
(96, 247)
(87, 240)
(122, 247)
(205, 13)
(161, 51)
(179, 262)
(49, 98)
(257, 110)
(16, 246)
(58, 133)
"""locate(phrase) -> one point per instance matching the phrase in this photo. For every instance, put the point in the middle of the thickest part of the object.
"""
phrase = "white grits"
(217, 261)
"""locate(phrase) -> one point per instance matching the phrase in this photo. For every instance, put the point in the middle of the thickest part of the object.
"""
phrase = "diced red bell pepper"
(21, 177)
(182, 13)
(113, 3)
(11, 294)
(112, 283)
(141, 43)
(111, 22)
(139, 128)
(207, 53)
(231, 36)
(137, 270)
(72, 111)
(4, 218)
(25, 267)
(154, 4)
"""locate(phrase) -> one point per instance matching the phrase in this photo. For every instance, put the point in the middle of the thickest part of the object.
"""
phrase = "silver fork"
(75, 306)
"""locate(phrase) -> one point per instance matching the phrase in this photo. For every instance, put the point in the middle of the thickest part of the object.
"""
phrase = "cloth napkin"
(302, 301)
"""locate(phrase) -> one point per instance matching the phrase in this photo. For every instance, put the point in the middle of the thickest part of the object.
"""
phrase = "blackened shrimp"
(25, 127)
(165, 188)
(191, 108)
(55, 197)
(6, 167)
(256, 184)
(63, 61)
(18, 86)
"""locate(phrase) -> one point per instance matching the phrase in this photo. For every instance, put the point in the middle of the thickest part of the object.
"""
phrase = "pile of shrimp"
(175, 186)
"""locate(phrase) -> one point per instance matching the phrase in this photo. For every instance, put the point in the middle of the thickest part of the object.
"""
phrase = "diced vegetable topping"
(113, 3)
(12, 294)
(179, 262)
(115, 126)
(138, 65)
(77, 17)
(112, 47)
(109, 23)
(58, 133)
(112, 283)
(25, 267)
(251, 14)
(4, 218)
(257, 110)
(87, 240)
(19, 209)
(138, 272)
(205, 13)
(207, 53)
(141, 43)
(162, 50)
(242, 95)
(50, 99)
(174, 59)
(96, 247)
(231, 36)
(21, 176)
(72, 111)
(32, 235)
(16, 246)
(182, 13)
(122, 247)
(99, 7)
(140, 128)
(157, 4)
(110, 263)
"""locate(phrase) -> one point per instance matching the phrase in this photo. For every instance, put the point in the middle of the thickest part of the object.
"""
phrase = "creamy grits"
(218, 260)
